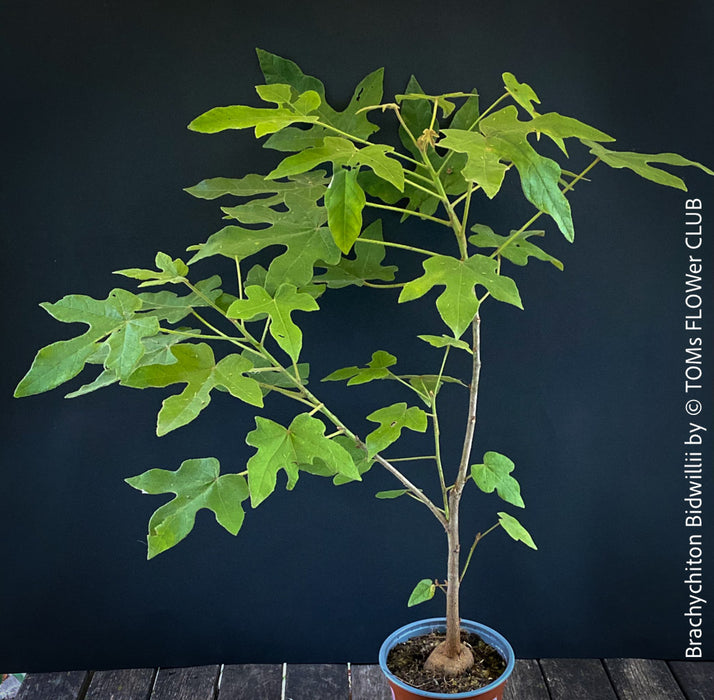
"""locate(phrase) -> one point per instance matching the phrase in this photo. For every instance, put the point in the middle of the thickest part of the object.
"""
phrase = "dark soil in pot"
(406, 661)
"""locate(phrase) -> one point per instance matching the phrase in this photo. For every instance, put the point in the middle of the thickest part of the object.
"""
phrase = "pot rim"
(414, 629)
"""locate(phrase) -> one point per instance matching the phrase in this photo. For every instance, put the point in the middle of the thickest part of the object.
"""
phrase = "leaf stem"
(402, 246)
(479, 537)
(412, 459)
(409, 212)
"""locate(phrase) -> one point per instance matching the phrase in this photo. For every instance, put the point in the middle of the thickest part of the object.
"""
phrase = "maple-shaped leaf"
(342, 152)
(296, 109)
(507, 136)
(114, 316)
(495, 473)
(484, 166)
(196, 367)
(279, 308)
(641, 163)
(169, 272)
(351, 120)
(377, 368)
(173, 308)
(366, 265)
(294, 220)
(157, 352)
(458, 303)
(522, 93)
(392, 420)
(197, 484)
(292, 449)
(517, 249)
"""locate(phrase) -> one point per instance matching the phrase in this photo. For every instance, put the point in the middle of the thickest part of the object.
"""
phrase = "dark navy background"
(584, 389)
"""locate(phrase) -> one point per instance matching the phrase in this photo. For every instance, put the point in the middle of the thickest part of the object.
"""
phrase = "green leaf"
(517, 251)
(458, 303)
(344, 201)
(494, 473)
(423, 591)
(197, 484)
(368, 92)
(365, 266)
(559, 127)
(522, 93)
(392, 420)
(467, 115)
(540, 176)
(377, 368)
(295, 222)
(515, 529)
(197, 368)
(362, 462)
(173, 308)
(441, 341)
(292, 449)
(388, 495)
(416, 115)
(65, 359)
(640, 164)
(279, 308)
(264, 120)
(484, 166)
(171, 272)
(342, 152)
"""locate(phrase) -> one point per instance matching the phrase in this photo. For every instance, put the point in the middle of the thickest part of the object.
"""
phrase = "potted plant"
(309, 227)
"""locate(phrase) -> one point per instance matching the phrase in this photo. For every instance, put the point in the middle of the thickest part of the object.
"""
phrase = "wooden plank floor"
(544, 679)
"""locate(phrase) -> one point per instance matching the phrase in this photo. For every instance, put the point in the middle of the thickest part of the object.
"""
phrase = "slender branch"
(419, 495)
(437, 450)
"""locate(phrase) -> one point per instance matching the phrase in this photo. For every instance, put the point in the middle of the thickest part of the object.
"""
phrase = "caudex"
(313, 221)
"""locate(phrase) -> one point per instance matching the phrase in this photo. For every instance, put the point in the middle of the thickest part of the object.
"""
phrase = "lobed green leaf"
(392, 420)
(517, 249)
(640, 163)
(494, 473)
(458, 304)
(196, 484)
(301, 446)
(279, 308)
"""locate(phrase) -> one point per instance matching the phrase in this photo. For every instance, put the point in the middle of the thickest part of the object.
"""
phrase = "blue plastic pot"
(402, 691)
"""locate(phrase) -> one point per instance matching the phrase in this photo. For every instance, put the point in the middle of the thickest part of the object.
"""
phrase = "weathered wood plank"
(251, 682)
(369, 683)
(195, 683)
(695, 677)
(69, 685)
(317, 682)
(526, 682)
(125, 684)
(635, 679)
(577, 679)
